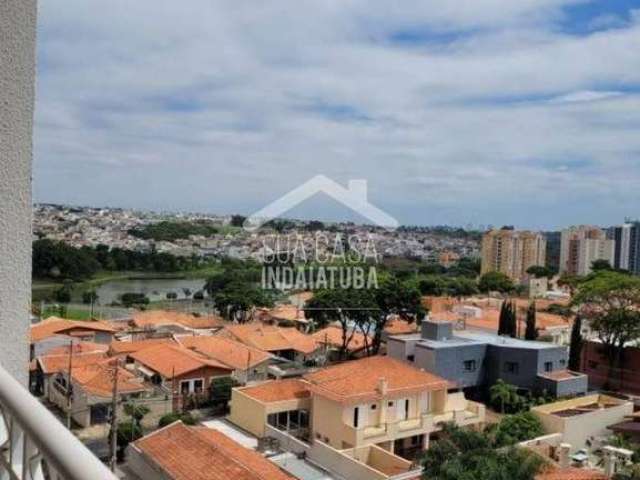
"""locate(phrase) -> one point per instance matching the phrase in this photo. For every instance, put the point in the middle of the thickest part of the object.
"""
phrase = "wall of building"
(449, 364)
(247, 413)
(17, 80)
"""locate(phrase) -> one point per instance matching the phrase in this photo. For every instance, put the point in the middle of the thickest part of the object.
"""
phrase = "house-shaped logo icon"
(353, 197)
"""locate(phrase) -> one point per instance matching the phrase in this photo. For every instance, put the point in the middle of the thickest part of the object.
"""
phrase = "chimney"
(383, 386)
(563, 455)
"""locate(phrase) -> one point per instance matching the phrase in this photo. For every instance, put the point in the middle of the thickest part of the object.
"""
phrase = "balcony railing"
(34, 445)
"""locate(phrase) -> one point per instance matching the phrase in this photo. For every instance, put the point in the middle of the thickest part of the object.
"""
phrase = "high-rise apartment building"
(582, 245)
(627, 246)
(512, 252)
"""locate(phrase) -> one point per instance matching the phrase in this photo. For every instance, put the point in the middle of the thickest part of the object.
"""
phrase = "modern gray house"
(471, 359)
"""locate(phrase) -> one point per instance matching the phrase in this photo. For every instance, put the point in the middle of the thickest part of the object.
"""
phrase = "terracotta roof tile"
(196, 453)
(398, 326)
(155, 318)
(271, 338)
(228, 351)
(122, 347)
(97, 379)
(571, 474)
(332, 336)
(168, 360)
(60, 362)
(54, 326)
(360, 380)
(278, 390)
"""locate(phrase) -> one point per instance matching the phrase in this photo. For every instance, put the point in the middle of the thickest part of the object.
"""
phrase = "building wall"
(449, 363)
(247, 413)
(17, 79)
(512, 252)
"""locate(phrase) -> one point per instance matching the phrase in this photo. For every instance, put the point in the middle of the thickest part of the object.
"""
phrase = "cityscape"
(319, 240)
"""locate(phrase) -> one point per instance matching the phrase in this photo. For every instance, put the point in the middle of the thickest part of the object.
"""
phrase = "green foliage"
(539, 271)
(504, 396)
(531, 332)
(220, 390)
(58, 260)
(495, 282)
(62, 294)
(170, 231)
(461, 454)
(237, 220)
(601, 264)
(507, 321)
(89, 296)
(517, 428)
(169, 418)
(440, 285)
(130, 299)
(558, 309)
(128, 431)
(576, 344)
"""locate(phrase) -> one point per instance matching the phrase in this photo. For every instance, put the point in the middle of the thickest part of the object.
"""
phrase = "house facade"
(476, 359)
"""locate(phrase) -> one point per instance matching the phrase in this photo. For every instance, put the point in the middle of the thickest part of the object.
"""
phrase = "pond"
(154, 288)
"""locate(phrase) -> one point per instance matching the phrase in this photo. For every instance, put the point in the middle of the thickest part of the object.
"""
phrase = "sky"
(466, 112)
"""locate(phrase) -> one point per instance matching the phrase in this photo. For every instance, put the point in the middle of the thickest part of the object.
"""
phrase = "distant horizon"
(468, 228)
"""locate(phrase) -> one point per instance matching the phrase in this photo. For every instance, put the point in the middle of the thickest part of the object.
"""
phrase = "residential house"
(286, 343)
(475, 359)
(375, 401)
(55, 332)
(181, 452)
(91, 392)
(180, 372)
(149, 321)
(583, 420)
(286, 315)
(126, 348)
(249, 364)
(596, 364)
(331, 339)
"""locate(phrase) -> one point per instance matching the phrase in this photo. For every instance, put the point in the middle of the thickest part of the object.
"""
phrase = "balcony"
(35, 445)
(389, 430)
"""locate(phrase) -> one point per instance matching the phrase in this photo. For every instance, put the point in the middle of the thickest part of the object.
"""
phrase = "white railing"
(34, 445)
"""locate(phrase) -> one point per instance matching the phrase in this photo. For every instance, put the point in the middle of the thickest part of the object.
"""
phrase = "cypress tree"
(531, 332)
(502, 319)
(575, 348)
(512, 326)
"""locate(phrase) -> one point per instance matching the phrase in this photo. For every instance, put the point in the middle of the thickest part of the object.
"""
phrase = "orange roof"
(156, 318)
(97, 379)
(120, 347)
(571, 474)
(360, 380)
(54, 326)
(225, 350)
(287, 312)
(198, 453)
(170, 360)
(332, 336)
(398, 326)
(60, 362)
(78, 347)
(278, 390)
(271, 338)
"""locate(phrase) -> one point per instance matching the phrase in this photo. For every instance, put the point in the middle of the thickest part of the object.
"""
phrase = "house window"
(548, 366)
(563, 362)
(374, 406)
(470, 365)
(406, 409)
(184, 387)
(197, 386)
(512, 367)
(411, 358)
(356, 411)
(390, 404)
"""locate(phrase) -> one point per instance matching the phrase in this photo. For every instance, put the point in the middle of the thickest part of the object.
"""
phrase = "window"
(512, 367)
(406, 409)
(563, 362)
(548, 366)
(197, 386)
(470, 365)
(374, 406)
(184, 387)
(411, 358)
(356, 411)
(390, 404)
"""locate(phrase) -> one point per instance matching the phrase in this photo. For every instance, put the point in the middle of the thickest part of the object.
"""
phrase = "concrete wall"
(247, 413)
(17, 80)
(449, 364)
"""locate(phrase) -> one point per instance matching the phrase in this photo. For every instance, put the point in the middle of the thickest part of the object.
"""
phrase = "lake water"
(155, 289)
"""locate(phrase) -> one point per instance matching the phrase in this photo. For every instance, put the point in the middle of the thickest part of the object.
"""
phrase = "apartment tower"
(582, 245)
(512, 252)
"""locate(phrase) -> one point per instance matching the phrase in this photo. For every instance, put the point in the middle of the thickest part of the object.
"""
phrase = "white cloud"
(224, 106)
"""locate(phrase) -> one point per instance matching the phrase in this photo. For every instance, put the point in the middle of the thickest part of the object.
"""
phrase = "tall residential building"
(627, 246)
(512, 252)
(582, 245)
(552, 257)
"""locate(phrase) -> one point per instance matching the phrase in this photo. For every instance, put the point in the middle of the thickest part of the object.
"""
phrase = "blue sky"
(485, 112)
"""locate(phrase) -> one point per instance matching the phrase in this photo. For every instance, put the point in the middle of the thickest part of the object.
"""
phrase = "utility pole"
(114, 420)
(69, 392)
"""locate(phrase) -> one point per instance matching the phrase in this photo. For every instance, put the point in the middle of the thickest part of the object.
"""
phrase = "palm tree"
(503, 393)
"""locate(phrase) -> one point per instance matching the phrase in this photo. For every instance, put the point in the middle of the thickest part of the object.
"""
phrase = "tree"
(220, 391)
(539, 271)
(517, 428)
(89, 296)
(569, 281)
(172, 417)
(611, 301)
(237, 220)
(461, 454)
(62, 294)
(504, 395)
(130, 429)
(600, 264)
(172, 295)
(495, 282)
(351, 308)
(507, 320)
(531, 332)
(575, 349)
